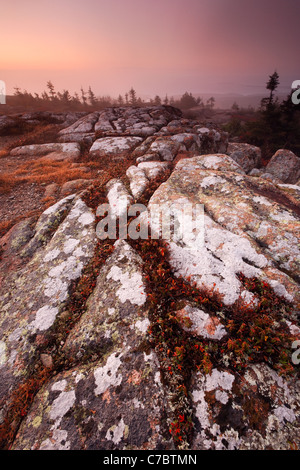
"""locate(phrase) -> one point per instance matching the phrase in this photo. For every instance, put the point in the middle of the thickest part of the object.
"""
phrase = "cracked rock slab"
(236, 217)
(258, 410)
(116, 402)
(115, 310)
(35, 296)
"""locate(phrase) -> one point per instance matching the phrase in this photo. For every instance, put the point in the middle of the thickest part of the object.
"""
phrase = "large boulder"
(247, 156)
(285, 165)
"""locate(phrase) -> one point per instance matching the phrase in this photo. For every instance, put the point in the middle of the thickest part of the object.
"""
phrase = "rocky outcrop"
(189, 342)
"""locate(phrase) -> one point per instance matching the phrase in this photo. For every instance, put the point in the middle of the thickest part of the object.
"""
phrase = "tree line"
(276, 124)
(87, 99)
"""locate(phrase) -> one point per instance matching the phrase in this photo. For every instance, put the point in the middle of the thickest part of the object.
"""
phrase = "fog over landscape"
(158, 47)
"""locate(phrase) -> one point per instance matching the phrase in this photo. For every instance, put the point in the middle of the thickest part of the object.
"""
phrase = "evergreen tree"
(210, 103)
(83, 96)
(17, 91)
(272, 84)
(157, 101)
(120, 100)
(187, 101)
(51, 89)
(92, 97)
(132, 97)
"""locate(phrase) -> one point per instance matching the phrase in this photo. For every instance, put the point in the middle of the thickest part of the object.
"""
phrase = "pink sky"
(157, 46)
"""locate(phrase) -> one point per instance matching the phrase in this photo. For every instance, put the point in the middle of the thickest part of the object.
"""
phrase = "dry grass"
(40, 135)
(42, 172)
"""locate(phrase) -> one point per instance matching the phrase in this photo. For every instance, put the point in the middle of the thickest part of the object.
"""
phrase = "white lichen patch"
(55, 289)
(221, 383)
(59, 386)
(212, 181)
(262, 200)
(79, 210)
(107, 376)
(86, 219)
(3, 356)
(62, 404)
(132, 287)
(203, 324)
(219, 379)
(218, 261)
(283, 414)
(70, 245)
(58, 441)
(44, 319)
(52, 255)
(116, 432)
(114, 145)
(142, 325)
(283, 217)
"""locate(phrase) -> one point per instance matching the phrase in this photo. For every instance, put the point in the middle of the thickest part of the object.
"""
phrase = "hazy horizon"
(158, 47)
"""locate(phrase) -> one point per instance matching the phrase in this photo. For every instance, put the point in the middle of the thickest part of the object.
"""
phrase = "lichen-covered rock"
(250, 227)
(84, 125)
(71, 187)
(118, 401)
(142, 122)
(56, 151)
(115, 308)
(35, 296)
(138, 181)
(46, 225)
(246, 155)
(114, 404)
(200, 323)
(166, 148)
(214, 162)
(118, 197)
(153, 169)
(113, 146)
(257, 410)
(284, 165)
(79, 137)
